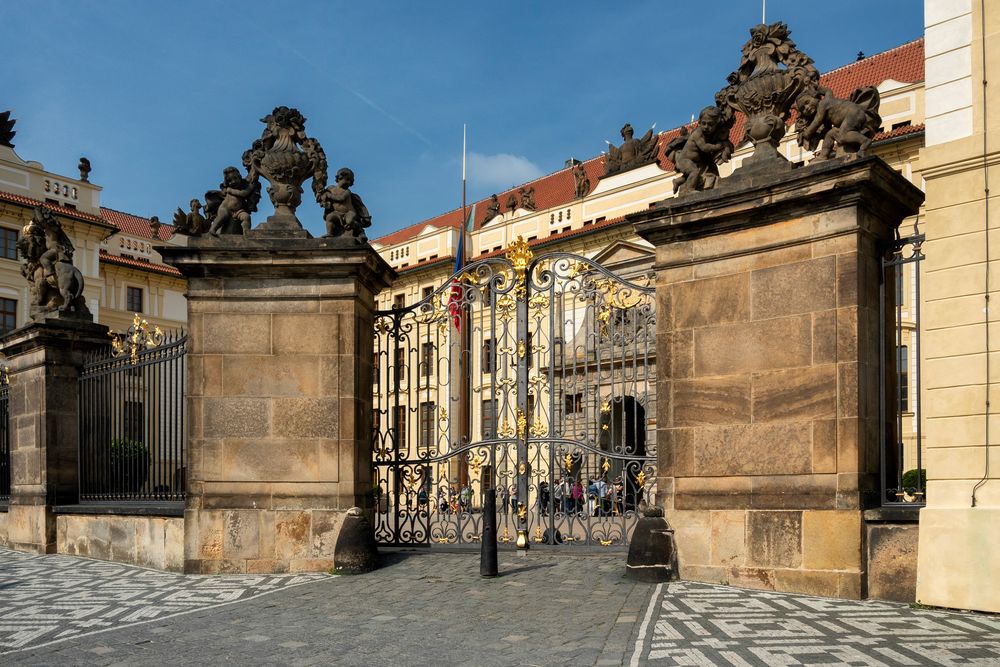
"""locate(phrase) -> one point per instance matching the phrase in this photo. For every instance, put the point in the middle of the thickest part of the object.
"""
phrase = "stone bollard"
(652, 556)
(355, 551)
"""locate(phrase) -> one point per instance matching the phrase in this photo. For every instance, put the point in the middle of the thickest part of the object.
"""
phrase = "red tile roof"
(135, 225)
(899, 132)
(138, 263)
(61, 210)
(903, 63)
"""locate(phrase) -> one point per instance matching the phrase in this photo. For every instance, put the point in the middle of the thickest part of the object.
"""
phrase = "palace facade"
(122, 272)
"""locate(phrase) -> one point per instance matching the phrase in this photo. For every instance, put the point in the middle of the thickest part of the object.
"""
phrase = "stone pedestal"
(278, 398)
(768, 353)
(45, 359)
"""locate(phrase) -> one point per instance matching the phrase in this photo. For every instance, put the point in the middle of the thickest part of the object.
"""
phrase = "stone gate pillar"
(44, 359)
(278, 397)
(768, 364)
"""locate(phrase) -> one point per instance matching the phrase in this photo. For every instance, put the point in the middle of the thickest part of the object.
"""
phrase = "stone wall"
(891, 559)
(279, 399)
(147, 541)
(3, 528)
(767, 337)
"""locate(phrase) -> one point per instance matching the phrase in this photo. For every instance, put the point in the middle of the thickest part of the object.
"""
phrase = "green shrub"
(910, 479)
(127, 448)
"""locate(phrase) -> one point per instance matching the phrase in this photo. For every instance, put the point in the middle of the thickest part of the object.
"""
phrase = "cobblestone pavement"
(434, 609)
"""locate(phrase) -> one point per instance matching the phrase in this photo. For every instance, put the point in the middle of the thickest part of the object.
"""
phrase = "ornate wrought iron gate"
(549, 400)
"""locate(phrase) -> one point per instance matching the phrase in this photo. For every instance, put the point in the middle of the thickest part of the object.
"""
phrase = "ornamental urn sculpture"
(286, 157)
(771, 75)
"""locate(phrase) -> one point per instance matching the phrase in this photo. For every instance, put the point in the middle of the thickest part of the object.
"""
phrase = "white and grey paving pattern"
(546, 608)
(50, 599)
(701, 624)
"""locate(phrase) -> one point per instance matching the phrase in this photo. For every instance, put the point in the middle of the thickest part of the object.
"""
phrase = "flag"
(455, 299)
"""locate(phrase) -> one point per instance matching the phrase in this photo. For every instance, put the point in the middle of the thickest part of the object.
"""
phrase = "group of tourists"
(569, 496)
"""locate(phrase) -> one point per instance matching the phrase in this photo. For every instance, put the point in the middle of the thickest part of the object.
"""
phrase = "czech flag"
(455, 300)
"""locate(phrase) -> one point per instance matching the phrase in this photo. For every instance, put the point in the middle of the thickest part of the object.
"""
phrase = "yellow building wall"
(959, 550)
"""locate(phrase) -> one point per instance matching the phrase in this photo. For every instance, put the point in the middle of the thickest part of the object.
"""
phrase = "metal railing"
(132, 420)
(903, 478)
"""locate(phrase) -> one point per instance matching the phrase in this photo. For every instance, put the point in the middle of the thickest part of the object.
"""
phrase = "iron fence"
(132, 419)
(4, 438)
(903, 478)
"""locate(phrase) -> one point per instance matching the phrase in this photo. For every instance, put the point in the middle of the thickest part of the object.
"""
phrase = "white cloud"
(500, 171)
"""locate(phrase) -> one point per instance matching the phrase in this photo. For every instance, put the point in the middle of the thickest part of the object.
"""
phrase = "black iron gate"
(131, 418)
(549, 400)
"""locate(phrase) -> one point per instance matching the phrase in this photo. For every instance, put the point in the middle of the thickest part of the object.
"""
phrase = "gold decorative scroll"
(520, 255)
(137, 338)
(522, 423)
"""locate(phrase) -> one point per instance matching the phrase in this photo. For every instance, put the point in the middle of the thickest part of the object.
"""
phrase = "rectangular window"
(8, 315)
(133, 299)
(134, 421)
(900, 285)
(8, 237)
(488, 419)
(399, 427)
(426, 359)
(427, 292)
(573, 403)
(904, 378)
(399, 301)
(399, 363)
(488, 356)
(427, 413)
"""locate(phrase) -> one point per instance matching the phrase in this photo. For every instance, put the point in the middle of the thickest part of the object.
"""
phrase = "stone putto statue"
(345, 212)
(581, 182)
(493, 210)
(228, 209)
(56, 286)
(511, 202)
(632, 153)
(849, 124)
(527, 195)
(697, 154)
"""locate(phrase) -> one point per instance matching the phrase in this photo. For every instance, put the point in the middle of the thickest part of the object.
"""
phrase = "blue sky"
(162, 96)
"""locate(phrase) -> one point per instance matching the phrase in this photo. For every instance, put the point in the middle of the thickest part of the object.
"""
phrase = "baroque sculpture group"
(286, 157)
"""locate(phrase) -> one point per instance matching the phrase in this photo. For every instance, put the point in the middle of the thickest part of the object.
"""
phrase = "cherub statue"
(493, 210)
(345, 212)
(850, 124)
(696, 155)
(511, 202)
(189, 224)
(527, 194)
(47, 263)
(581, 181)
(228, 209)
(154, 226)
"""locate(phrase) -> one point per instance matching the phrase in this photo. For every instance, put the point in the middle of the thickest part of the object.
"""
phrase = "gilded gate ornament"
(139, 337)
(520, 255)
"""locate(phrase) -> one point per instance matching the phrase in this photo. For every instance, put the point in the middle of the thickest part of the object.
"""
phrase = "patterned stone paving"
(50, 599)
(433, 609)
(700, 624)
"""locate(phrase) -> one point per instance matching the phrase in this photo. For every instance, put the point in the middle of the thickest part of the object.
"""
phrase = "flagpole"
(465, 350)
